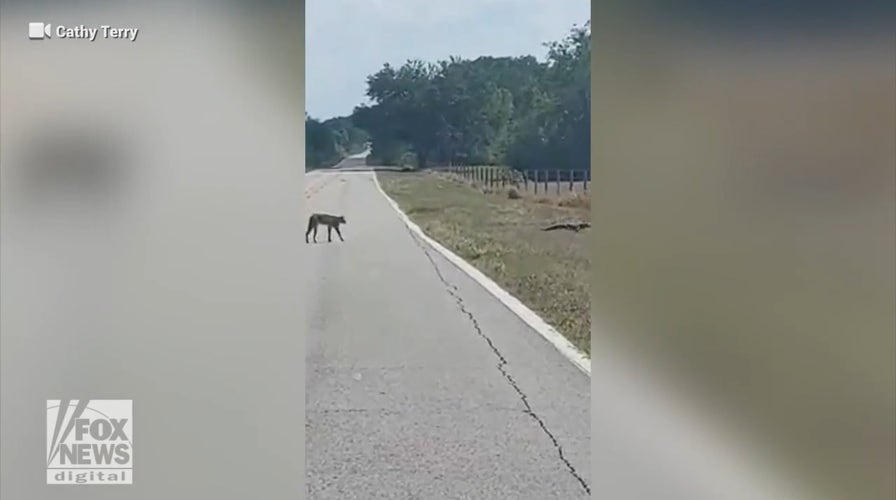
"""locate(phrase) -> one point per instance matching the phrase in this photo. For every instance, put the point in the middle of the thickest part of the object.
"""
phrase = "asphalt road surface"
(420, 384)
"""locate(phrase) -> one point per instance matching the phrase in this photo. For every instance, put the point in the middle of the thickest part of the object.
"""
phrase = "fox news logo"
(89, 441)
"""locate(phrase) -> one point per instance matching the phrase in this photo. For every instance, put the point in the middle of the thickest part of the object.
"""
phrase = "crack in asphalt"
(502, 361)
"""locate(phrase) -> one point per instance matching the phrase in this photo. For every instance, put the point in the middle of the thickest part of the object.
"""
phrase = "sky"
(347, 40)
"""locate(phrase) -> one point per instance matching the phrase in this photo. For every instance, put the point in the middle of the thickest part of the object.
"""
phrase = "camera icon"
(38, 31)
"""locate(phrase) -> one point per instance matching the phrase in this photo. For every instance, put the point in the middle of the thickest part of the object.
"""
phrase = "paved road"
(419, 383)
(360, 156)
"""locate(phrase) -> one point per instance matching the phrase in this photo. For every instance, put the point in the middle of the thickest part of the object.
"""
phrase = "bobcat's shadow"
(324, 242)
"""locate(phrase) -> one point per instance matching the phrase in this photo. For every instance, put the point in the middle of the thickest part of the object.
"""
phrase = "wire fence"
(536, 181)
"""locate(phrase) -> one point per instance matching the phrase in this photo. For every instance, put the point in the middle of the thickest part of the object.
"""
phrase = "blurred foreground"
(150, 192)
(744, 249)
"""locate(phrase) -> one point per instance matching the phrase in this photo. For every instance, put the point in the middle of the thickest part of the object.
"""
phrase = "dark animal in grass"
(331, 221)
(571, 226)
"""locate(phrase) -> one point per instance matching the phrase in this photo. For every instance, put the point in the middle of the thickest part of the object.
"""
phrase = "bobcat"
(331, 221)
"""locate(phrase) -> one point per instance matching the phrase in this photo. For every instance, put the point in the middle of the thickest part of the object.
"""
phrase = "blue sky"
(346, 40)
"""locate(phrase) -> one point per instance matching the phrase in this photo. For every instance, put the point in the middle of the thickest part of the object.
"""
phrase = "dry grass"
(504, 177)
(575, 201)
(501, 236)
(553, 189)
(575, 198)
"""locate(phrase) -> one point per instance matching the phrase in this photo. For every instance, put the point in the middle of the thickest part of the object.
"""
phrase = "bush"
(576, 201)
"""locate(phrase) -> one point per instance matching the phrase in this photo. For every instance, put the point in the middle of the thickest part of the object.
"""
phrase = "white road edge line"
(566, 348)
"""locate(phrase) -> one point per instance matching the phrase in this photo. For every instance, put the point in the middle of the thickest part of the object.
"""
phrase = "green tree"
(490, 110)
(327, 142)
(320, 147)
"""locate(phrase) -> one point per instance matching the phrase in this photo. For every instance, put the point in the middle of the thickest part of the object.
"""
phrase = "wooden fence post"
(535, 181)
(547, 173)
(557, 179)
(572, 179)
(526, 180)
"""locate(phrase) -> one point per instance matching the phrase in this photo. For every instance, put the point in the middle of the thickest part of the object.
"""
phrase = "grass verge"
(501, 235)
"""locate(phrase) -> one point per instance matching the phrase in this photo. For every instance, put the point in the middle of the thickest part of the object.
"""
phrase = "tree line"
(515, 111)
(329, 141)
